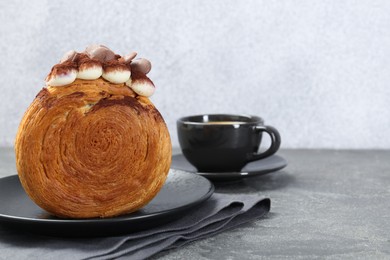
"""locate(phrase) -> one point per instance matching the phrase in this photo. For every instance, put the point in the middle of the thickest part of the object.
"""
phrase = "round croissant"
(92, 149)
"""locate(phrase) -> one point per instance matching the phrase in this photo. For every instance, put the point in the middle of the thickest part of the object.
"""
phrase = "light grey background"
(319, 71)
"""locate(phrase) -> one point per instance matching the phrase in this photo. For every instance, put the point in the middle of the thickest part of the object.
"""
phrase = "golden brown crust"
(92, 149)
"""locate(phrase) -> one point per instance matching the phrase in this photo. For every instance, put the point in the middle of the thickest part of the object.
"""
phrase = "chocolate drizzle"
(125, 101)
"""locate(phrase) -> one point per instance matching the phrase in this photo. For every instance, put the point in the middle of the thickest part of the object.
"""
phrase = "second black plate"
(256, 168)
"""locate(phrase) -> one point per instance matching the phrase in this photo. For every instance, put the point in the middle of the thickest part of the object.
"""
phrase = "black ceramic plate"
(181, 191)
(256, 168)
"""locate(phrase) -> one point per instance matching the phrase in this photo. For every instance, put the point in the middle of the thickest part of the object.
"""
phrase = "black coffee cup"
(222, 142)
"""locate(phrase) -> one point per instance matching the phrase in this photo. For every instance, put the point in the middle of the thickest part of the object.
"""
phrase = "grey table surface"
(326, 204)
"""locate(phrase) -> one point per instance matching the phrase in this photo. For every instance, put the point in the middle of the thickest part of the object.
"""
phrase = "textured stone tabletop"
(325, 204)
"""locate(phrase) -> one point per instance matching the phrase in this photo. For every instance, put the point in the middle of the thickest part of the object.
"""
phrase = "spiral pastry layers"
(92, 149)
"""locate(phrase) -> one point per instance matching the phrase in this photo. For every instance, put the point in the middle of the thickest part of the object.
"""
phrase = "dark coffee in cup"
(221, 142)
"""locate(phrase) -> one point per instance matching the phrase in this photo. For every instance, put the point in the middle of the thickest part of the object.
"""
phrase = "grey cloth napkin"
(219, 213)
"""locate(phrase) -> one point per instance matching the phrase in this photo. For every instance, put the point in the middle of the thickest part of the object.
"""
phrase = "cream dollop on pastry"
(116, 72)
(90, 70)
(141, 84)
(61, 75)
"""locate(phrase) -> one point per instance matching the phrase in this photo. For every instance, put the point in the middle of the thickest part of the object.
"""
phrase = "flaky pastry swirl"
(92, 149)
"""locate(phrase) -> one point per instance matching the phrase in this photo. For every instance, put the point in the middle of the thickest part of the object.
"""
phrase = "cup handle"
(275, 142)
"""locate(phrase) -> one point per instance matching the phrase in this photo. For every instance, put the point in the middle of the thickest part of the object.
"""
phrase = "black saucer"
(256, 168)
